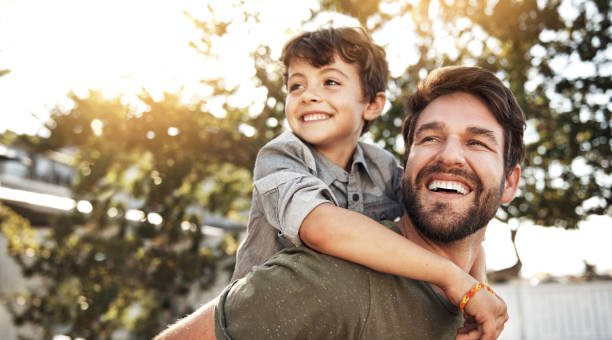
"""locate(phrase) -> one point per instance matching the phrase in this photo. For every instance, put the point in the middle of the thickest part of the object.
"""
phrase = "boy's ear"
(375, 107)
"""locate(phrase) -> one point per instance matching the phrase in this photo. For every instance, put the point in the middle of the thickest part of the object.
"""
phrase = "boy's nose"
(310, 97)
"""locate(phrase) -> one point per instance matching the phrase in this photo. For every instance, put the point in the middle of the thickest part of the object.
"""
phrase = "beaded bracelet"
(471, 293)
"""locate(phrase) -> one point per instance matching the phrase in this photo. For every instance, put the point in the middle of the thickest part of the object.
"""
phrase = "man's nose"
(452, 151)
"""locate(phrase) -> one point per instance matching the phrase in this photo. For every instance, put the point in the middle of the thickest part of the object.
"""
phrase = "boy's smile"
(325, 107)
(315, 116)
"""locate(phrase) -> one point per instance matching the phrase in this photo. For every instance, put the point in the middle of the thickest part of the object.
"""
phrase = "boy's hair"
(482, 84)
(353, 45)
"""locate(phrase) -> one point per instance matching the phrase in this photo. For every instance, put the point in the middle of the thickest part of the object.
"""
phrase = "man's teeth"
(448, 186)
(315, 116)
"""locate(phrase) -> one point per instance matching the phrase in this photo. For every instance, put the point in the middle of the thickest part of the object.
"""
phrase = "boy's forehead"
(312, 62)
(336, 63)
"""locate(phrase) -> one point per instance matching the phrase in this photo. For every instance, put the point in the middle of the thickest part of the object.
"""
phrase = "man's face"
(454, 176)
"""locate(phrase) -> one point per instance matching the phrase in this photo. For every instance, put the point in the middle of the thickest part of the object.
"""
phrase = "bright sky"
(52, 47)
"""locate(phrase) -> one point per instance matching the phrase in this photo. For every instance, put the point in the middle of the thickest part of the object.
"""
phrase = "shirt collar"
(330, 172)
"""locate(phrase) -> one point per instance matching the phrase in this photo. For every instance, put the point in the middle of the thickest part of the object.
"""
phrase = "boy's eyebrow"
(490, 135)
(333, 69)
(292, 75)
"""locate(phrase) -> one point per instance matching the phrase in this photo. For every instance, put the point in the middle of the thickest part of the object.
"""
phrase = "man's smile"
(452, 187)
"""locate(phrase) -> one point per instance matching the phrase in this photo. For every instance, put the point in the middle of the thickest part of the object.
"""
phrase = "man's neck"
(462, 252)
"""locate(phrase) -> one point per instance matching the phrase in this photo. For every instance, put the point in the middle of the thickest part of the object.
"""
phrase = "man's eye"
(478, 143)
(428, 139)
(331, 82)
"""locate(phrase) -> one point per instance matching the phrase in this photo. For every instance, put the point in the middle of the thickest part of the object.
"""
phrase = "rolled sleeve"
(286, 184)
(288, 197)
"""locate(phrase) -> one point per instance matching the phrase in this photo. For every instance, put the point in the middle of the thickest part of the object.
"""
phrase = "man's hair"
(353, 45)
(482, 84)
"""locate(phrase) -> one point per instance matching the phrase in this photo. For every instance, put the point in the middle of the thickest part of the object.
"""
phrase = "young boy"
(319, 186)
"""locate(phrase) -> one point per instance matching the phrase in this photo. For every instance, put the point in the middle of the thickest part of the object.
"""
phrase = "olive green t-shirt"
(302, 294)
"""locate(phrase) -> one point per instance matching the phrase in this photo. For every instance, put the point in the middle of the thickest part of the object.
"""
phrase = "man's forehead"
(458, 110)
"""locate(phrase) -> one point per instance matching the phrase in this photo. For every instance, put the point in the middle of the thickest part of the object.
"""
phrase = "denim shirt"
(291, 178)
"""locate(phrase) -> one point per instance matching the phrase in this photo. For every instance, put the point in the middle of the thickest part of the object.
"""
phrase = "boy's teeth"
(449, 186)
(314, 116)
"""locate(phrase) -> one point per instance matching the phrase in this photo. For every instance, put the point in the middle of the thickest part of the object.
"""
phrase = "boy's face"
(325, 105)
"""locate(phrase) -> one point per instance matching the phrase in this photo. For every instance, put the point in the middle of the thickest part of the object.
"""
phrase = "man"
(464, 146)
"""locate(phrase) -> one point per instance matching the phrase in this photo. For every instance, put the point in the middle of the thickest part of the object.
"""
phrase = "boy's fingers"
(466, 334)
(489, 331)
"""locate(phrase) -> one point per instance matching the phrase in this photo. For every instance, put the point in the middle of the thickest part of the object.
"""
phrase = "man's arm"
(200, 325)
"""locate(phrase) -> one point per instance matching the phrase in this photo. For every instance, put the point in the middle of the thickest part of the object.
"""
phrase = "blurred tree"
(167, 161)
(99, 271)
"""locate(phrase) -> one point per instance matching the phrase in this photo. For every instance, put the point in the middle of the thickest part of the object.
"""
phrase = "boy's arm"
(357, 238)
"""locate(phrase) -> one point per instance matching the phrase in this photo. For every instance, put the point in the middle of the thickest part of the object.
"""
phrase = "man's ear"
(511, 184)
(375, 107)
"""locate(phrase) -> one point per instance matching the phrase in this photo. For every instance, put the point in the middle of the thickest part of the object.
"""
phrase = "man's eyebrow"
(483, 132)
(429, 126)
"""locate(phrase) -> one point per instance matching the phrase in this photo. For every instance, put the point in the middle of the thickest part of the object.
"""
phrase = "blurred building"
(35, 185)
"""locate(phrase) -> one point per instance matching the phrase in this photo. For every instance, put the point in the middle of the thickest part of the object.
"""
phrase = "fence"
(572, 311)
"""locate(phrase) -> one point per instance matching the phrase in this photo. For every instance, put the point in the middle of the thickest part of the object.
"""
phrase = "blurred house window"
(15, 168)
(43, 170)
(64, 174)
(38, 168)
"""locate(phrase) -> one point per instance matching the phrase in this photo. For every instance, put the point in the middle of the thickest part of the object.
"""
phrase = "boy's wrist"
(457, 282)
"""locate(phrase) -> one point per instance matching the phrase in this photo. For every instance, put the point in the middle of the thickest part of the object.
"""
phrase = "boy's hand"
(469, 331)
(486, 313)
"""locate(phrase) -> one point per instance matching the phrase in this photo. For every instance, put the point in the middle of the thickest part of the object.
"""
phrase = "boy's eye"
(293, 87)
(331, 82)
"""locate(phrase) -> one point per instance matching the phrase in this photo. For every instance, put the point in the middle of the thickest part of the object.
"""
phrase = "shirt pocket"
(382, 208)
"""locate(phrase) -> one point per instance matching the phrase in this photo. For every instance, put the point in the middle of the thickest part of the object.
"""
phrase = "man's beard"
(440, 223)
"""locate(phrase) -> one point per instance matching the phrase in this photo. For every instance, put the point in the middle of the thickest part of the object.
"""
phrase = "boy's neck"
(341, 156)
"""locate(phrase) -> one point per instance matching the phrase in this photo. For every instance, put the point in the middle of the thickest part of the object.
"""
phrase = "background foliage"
(102, 274)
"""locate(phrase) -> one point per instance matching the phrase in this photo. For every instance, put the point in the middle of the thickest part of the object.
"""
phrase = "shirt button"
(355, 197)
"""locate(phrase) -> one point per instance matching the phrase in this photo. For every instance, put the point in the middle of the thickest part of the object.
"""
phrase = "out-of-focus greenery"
(102, 273)
(567, 173)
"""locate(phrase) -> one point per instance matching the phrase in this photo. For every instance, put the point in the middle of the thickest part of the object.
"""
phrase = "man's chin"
(447, 231)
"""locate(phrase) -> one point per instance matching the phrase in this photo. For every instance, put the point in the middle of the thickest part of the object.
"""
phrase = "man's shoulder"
(297, 293)
(312, 266)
